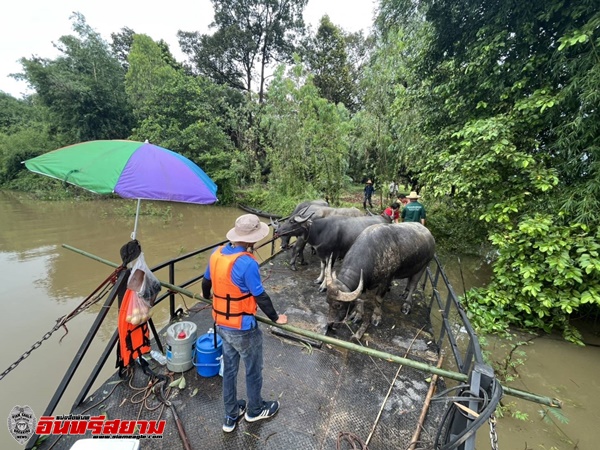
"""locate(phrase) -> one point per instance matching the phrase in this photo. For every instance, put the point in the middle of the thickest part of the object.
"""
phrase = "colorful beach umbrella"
(137, 170)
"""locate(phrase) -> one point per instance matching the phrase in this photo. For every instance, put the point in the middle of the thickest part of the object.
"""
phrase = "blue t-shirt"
(245, 274)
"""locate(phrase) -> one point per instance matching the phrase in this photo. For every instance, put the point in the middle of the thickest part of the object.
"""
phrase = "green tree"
(250, 36)
(24, 133)
(121, 45)
(190, 115)
(147, 72)
(327, 59)
(83, 87)
(14, 113)
(499, 96)
(307, 136)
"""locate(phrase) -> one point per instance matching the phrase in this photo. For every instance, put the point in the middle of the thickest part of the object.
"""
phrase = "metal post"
(121, 280)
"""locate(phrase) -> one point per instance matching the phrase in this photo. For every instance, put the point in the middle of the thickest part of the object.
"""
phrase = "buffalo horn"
(302, 211)
(299, 219)
(274, 225)
(350, 296)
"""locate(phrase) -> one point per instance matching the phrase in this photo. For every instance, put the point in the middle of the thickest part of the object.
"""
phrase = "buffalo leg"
(377, 311)
(301, 243)
(358, 311)
(321, 277)
(297, 248)
(361, 331)
(409, 291)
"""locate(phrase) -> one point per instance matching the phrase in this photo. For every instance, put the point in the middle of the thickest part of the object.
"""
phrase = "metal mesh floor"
(323, 392)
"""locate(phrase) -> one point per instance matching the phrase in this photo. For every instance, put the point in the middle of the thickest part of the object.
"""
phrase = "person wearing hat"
(413, 211)
(233, 275)
(369, 189)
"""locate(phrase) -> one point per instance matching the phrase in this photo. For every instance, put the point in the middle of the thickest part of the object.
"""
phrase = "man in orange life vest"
(234, 276)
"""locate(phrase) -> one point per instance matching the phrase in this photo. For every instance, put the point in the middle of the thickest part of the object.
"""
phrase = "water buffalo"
(297, 225)
(332, 237)
(379, 254)
(308, 206)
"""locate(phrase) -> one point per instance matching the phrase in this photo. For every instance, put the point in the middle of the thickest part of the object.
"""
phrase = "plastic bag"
(138, 311)
(143, 281)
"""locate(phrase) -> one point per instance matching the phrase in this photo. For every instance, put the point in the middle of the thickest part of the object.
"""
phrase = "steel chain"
(493, 433)
(33, 347)
(59, 323)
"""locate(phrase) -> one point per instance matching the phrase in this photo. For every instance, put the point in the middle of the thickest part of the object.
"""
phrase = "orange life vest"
(134, 340)
(230, 304)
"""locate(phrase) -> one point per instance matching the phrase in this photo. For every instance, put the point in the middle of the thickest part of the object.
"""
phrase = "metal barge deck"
(330, 397)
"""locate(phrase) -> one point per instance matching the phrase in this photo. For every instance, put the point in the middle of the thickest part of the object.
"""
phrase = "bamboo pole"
(417, 433)
(529, 396)
(391, 387)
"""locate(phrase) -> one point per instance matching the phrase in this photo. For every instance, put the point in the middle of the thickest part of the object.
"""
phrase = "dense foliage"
(504, 125)
(490, 109)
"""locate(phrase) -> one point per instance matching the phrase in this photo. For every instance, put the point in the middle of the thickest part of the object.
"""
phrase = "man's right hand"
(282, 319)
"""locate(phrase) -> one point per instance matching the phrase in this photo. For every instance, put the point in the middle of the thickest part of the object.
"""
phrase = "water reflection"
(40, 281)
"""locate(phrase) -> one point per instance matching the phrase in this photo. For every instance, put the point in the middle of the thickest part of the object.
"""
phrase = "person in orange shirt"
(237, 290)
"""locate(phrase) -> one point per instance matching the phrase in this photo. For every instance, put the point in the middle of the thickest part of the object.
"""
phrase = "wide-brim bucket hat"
(248, 228)
(413, 195)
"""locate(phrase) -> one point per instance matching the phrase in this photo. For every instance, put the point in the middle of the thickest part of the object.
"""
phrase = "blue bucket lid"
(207, 341)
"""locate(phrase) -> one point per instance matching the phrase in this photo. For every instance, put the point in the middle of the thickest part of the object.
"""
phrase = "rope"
(352, 439)
(61, 322)
(465, 395)
(370, 357)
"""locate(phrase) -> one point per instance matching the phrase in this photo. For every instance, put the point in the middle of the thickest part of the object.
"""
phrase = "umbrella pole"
(137, 214)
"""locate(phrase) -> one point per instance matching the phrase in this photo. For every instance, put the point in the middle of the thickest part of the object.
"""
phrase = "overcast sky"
(30, 26)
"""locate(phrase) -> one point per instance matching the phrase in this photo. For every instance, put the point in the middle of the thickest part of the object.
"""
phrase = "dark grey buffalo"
(332, 237)
(308, 207)
(299, 224)
(379, 254)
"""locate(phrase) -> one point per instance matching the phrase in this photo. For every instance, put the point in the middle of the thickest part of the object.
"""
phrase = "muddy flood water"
(40, 281)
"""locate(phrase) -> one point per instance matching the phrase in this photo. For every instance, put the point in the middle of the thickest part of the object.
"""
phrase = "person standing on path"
(413, 211)
(369, 189)
(233, 275)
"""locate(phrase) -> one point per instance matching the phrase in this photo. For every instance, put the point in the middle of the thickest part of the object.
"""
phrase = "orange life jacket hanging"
(134, 340)
(230, 304)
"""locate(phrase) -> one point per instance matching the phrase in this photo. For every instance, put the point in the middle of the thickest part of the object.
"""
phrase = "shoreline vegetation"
(504, 155)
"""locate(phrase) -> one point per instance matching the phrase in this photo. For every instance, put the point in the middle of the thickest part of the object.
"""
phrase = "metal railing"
(457, 431)
(478, 397)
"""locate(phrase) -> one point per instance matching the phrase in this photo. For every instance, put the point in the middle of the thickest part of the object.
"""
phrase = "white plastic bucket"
(181, 343)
